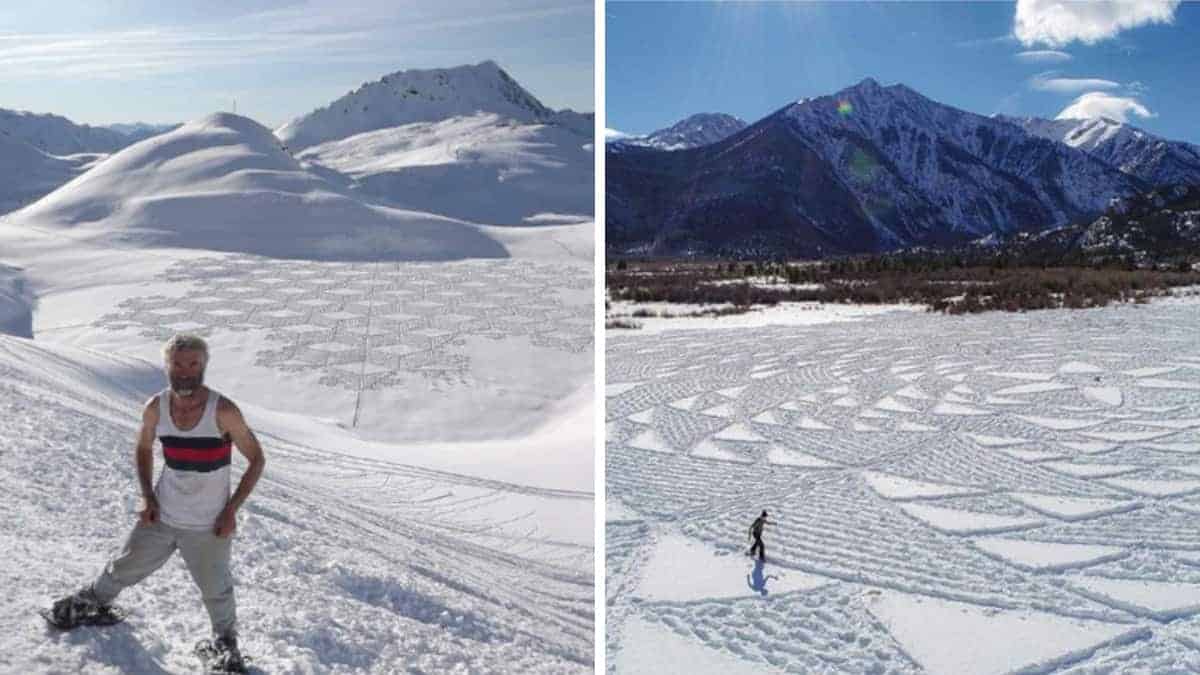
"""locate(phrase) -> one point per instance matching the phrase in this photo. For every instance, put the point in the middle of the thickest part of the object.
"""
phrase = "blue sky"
(665, 61)
(100, 62)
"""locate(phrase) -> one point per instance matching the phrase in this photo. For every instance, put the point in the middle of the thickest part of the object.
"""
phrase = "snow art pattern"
(978, 494)
(368, 325)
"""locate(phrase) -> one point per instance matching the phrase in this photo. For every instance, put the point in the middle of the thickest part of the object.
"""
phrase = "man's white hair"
(187, 342)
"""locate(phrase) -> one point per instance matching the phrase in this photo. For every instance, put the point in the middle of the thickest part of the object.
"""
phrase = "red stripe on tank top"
(198, 454)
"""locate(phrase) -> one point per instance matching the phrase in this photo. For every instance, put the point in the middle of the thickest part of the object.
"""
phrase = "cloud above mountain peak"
(1096, 104)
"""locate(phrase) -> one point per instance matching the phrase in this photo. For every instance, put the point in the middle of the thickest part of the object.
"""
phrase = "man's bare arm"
(144, 458)
(230, 420)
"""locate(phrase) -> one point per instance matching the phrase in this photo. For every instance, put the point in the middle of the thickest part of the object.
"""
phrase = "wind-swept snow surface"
(993, 516)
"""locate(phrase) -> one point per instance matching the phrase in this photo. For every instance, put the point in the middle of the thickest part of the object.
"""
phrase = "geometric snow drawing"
(1041, 556)
(954, 521)
(682, 569)
(1007, 493)
(367, 325)
(896, 487)
(1074, 508)
(1156, 599)
(946, 637)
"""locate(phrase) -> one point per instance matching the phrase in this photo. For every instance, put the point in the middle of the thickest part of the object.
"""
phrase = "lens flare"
(863, 165)
(844, 108)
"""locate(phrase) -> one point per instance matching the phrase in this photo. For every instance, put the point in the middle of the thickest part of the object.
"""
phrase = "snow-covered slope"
(927, 165)
(411, 96)
(16, 303)
(27, 174)
(345, 563)
(224, 183)
(466, 142)
(39, 153)
(138, 131)
(1154, 159)
(481, 167)
(690, 132)
(57, 135)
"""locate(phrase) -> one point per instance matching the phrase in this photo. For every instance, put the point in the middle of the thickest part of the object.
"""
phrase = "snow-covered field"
(986, 494)
(670, 316)
(421, 385)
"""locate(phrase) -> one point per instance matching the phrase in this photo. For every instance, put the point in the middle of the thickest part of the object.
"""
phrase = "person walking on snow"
(190, 509)
(756, 530)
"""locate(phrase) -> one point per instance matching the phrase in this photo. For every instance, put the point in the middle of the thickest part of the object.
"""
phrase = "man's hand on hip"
(226, 522)
(149, 512)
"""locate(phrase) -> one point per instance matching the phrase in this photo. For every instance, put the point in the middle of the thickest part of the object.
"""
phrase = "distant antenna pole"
(235, 106)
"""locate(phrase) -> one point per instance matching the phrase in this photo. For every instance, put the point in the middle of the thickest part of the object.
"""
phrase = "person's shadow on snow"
(115, 646)
(757, 581)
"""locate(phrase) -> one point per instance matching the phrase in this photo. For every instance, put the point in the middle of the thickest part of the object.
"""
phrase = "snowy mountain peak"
(230, 122)
(409, 96)
(696, 130)
(691, 132)
(1154, 159)
(868, 84)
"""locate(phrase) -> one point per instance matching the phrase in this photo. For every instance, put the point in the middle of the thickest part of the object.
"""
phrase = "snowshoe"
(221, 656)
(81, 609)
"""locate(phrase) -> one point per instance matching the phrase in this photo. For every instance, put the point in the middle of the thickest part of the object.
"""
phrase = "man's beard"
(186, 386)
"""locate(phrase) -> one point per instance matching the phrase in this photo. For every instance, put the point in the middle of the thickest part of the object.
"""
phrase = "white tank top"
(194, 485)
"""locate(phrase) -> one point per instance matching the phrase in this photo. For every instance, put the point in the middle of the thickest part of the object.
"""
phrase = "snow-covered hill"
(690, 132)
(27, 174)
(139, 131)
(466, 142)
(223, 183)
(57, 135)
(482, 168)
(409, 96)
(1153, 159)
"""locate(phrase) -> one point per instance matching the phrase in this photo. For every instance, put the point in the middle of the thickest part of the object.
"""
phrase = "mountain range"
(874, 168)
(465, 143)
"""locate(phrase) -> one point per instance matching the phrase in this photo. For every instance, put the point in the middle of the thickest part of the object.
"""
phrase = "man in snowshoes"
(190, 510)
(756, 530)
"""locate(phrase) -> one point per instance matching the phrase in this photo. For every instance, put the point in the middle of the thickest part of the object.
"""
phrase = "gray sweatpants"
(205, 554)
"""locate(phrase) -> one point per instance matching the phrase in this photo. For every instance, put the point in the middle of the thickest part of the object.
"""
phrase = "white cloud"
(135, 54)
(1099, 104)
(317, 33)
(1056, 23)
(1043, 56)
(1069, 85)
